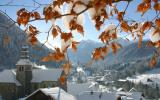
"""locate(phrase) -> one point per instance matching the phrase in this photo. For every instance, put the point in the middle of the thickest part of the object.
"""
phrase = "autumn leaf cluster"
(108, 37)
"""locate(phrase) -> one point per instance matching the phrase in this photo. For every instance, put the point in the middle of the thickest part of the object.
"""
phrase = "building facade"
(25, 79)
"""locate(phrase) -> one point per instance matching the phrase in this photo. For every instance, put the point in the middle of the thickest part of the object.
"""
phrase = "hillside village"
(31, 83)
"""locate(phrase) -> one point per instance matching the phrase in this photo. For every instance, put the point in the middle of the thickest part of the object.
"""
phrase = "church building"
(25, 79)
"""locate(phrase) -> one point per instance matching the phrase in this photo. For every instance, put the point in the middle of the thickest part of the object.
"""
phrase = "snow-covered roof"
(96, 96)
(129, 95)
(133, 90)
(77, 88)
(122, 80)
(39, 75)
(82, 92)
(35, 66)
(120, 89)
(8, 76)
(24, 62)
(54, 93)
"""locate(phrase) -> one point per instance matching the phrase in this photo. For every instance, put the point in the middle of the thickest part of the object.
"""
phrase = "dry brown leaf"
(120, 16)
(157, 21)
(153, 62)
(147, 25)
(114, 35)
(155, 1)
(72, 24)
(157, 44)
(150, 44)
(104, 13)
(96, 55)
(66, 36)
(66, 68)
(157, 6)
(62, 80)
(125, 27)
(54, 32)
(33, 40)
(105, 37)
(33, 30)
(20, 11)
(74, 46)
(115, 47)
(104, 50)
(98, 25)
(36, 15)
(80, 29)
(143, 7)
(56, 56)
(47, 58)
(140, 41)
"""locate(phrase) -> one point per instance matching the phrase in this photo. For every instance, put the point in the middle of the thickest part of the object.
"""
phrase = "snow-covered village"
(79, 49)
(32, 82)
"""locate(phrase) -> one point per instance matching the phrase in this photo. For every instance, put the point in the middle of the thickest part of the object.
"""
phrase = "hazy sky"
(90, 31)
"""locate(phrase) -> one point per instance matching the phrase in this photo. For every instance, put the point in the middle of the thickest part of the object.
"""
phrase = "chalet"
(55, 93)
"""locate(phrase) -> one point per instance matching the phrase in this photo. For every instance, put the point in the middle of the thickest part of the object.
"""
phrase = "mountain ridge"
(128, 53)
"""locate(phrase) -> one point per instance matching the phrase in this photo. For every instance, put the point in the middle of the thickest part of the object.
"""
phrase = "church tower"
(24, 71)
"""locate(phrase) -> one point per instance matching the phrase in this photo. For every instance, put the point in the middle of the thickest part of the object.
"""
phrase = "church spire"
(24, 70)
(24, 52)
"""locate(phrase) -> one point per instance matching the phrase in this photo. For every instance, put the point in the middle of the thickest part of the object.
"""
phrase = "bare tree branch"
(47, 36)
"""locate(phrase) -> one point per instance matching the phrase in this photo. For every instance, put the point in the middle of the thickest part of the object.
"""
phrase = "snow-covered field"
(151, 77)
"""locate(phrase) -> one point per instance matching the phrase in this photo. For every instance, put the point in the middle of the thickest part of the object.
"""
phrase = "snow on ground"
(93, 91)
(97, 95)
(149, 77)
(39, 66)
(54, 92)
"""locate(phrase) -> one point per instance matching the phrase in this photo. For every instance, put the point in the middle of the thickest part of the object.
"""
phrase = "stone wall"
(8, 91)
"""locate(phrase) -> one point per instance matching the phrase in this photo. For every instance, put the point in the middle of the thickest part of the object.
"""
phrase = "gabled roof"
(8, 76)
(39, 75)
(54, 93)
(133, 90)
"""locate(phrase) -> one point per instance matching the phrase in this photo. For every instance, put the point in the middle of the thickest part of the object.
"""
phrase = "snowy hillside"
(151, 77)
(11, 41)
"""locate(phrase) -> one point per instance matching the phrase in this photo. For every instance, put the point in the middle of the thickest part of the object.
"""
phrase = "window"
(21, 68)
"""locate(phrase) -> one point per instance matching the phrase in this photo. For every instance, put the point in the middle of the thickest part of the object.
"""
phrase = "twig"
(156, 16)
(18, 5)
(47, 36)
(39, 3)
